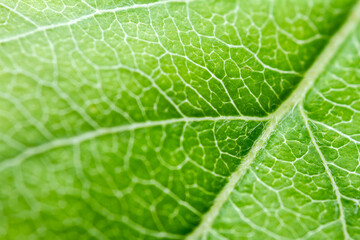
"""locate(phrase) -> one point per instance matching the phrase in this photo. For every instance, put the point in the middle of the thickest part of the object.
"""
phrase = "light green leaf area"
(306, 182)
(142, 119)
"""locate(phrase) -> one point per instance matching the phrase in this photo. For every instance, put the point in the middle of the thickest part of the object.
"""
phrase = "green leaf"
(179, 119)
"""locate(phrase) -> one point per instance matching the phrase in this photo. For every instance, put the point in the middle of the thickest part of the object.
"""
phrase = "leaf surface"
(173, 119)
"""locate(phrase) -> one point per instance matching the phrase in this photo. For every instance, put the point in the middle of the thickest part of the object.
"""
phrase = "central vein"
(296, 97)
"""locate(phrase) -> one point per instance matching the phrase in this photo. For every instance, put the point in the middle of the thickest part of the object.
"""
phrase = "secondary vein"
(79, 19)
(328, 171)
(18, 159)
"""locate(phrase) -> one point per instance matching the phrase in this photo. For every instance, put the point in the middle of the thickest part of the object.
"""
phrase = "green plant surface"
(141, 119)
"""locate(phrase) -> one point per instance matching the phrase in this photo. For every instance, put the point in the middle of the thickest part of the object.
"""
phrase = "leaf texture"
(174, 119)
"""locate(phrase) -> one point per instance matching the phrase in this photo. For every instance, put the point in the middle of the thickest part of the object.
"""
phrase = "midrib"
(296, 97)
